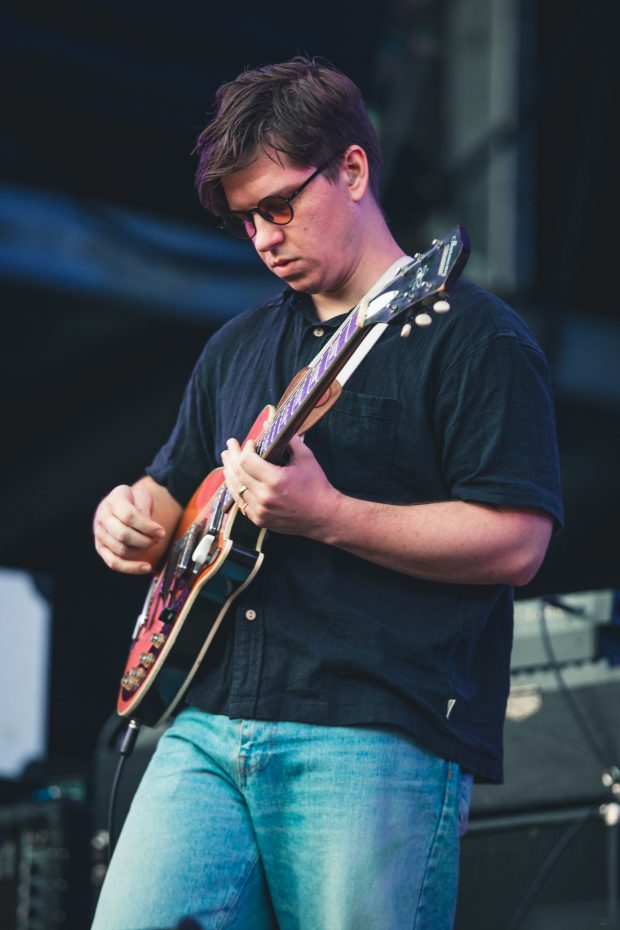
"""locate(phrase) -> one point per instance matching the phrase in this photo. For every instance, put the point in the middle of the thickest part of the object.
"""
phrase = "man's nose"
(268, 235)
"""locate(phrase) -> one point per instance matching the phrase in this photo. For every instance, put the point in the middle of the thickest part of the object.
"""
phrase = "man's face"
(317, 251)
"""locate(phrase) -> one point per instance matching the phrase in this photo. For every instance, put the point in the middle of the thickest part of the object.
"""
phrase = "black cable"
(567, 837)
(126, 748)
(597, 750)
(112, 805)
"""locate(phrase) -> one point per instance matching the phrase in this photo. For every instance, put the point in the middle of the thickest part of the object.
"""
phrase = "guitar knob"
(158, 640)
(406, 330)
(147, 659)
(423, 319)
(441, 306)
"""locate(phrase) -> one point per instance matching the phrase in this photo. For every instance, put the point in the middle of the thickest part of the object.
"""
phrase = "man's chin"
(298, 282)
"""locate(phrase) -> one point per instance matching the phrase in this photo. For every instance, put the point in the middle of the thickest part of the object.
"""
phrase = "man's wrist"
(332, 514)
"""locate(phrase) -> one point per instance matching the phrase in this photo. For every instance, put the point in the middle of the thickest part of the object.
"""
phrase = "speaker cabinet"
(45, 866)
(556, 746)
(502, 857)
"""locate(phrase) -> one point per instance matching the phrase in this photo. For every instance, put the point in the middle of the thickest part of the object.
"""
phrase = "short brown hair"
(305, 108)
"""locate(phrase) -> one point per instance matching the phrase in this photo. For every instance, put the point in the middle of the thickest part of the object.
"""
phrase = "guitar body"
(184, 609)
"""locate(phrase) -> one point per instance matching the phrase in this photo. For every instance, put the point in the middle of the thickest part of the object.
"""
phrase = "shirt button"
(250, 614)
(318, 332)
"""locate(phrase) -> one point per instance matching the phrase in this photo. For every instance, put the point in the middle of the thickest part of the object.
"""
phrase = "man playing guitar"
(317, 775)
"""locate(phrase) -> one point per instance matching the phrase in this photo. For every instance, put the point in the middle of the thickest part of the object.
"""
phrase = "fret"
(350, 324)
(285, 416)
(322, 365)
(271, 433)
(278, 426)
(305, 384)
(281, 421)
(332, 350)
(311, 379)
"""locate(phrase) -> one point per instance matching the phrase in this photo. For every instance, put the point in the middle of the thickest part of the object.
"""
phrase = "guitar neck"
(322, 371)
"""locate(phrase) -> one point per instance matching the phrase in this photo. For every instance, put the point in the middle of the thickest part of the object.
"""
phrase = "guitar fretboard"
(321, 372)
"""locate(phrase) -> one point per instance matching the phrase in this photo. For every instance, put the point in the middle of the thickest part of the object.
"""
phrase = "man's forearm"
(451, 541)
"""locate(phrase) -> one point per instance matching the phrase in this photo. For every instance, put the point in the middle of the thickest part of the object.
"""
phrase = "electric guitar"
(216, 552)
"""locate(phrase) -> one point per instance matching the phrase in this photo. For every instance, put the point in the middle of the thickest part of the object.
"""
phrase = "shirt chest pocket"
(356, 442)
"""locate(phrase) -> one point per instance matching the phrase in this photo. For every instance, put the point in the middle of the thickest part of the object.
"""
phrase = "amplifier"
(582, 627)
(562, 731)
(45, 866)
(549, 760)
(502, 858)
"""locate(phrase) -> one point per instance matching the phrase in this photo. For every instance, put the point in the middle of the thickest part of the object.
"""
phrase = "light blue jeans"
(251, 825)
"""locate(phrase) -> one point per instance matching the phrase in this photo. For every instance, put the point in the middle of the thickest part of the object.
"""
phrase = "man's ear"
(355, 167)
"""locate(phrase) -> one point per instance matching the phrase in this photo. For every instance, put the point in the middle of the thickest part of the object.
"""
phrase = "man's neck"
(367, 272)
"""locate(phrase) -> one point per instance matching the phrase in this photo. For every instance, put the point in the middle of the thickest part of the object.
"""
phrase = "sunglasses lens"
(275, 210)
(271, 209)
(239, 226)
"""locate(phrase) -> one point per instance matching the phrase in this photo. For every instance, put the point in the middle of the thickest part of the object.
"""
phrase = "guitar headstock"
(424, 281)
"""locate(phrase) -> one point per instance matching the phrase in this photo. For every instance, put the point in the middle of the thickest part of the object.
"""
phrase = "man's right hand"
(127, 537)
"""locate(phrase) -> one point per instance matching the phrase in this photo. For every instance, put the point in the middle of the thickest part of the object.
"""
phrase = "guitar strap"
(378, 329)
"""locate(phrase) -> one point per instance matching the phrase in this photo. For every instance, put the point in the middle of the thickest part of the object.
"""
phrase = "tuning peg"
(441, 306)
(423, 319)
(406, 330)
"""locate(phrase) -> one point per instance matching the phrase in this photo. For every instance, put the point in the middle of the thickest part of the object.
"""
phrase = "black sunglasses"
(273, 209)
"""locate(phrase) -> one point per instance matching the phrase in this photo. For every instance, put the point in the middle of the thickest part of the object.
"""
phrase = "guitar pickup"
(189, 545)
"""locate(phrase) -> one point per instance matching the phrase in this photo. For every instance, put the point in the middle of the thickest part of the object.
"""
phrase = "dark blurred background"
(496, 115)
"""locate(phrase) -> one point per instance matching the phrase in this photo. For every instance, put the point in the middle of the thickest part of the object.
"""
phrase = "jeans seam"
(266, 754)
(246, 767)
(230, 913)
(450, 777)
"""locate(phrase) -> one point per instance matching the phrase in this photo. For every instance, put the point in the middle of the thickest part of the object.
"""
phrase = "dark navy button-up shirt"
(459, 411)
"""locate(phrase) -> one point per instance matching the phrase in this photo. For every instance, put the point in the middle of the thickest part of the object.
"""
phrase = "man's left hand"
(295, 498)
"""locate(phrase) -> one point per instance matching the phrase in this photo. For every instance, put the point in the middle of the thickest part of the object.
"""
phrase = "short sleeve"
(185, 459)
(495, 427)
